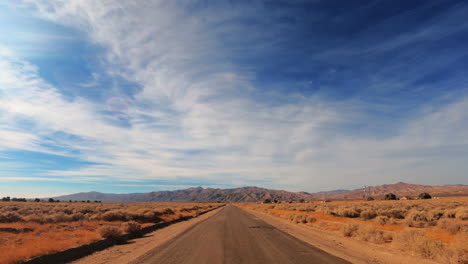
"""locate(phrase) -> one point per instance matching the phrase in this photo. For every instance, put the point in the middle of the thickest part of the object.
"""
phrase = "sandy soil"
(127, 253)
(349, 249)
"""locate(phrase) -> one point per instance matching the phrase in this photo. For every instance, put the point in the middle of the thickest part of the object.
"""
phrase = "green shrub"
(424, 196)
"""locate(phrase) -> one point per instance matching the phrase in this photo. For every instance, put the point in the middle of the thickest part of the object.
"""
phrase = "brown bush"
(10, 218)
(393, 213)
(436, 214)
(418, 243)
(347, 212)
(169, 211)
(382, 219)
(116, 216)
(311, 219)
(460, 249)
(462, 213)
(370, 233)
(78, 217)
(368, 214)
(132, 227)
(111, 232)
(450, 213)
(62, 217)
(449, 226)
(420, 219)
(300, 218)
(349, 229)
(35, 218)
(416, 215)
(150, 216)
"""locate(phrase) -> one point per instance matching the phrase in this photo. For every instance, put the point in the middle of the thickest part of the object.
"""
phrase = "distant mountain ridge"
(256, 194)
(400, 189)
(197, 194)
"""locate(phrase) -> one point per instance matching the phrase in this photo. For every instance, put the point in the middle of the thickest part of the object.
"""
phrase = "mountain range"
(400, 189)
(198, 194)
(256, 194)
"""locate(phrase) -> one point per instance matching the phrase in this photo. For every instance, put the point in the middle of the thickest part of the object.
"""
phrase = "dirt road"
(234, 236)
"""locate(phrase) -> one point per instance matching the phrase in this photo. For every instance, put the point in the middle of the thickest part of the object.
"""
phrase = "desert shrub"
(324, 210)
(169, 211)
(78, 217)
(349, 229)
(390, 196)
(132, 227)
(417, 242)
(307, 209)
(370, 233)
(436, 214)
(369, 198)
(116, 215)
(86, 211)
(10, 218)
(290, 216)
(347, 212)
(68, 211)
(460, 249)
(299, 218)
(450, 213)
(393, 213)
(25, 211)
(310, 219)
(368, 214)
(148, 216)
(111, 232)
(35, 218)
(416, 218)
(381, 219)
(61, 217)
(449, 226)
(416, 215)
(461, 213)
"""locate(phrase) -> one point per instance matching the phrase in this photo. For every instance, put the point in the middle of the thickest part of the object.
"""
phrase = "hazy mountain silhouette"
(198, 194)
(256, 194)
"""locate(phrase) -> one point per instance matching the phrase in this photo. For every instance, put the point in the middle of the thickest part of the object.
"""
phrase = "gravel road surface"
(235, 236)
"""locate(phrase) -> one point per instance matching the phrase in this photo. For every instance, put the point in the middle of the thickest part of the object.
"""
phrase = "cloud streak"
(198, 113)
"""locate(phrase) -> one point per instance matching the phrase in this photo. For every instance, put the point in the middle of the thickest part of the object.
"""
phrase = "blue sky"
(124, 96)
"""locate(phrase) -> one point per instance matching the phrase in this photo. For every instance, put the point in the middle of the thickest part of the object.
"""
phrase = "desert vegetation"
(435, 229)
(29, 229)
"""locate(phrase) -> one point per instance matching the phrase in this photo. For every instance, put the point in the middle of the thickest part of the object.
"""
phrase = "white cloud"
(204, 120)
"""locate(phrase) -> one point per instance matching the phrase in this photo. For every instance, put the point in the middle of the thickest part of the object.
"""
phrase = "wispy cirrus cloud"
(201, 109)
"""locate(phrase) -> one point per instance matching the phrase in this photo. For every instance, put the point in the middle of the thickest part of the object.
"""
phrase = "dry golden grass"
(29, 229)
(435, 229)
